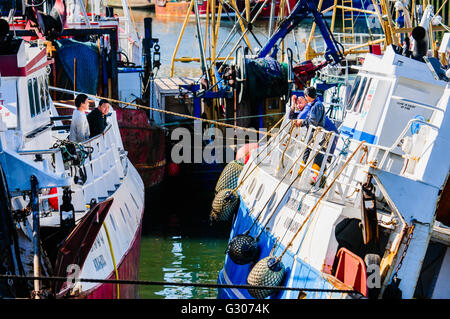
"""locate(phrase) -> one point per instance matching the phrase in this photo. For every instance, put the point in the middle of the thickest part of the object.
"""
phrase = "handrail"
(64, 105)
(97, 136)
(38, 152)
(61, 118)
(397, 141)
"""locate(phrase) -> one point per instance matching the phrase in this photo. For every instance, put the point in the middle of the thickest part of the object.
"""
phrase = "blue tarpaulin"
(88, 59)
(266, 78)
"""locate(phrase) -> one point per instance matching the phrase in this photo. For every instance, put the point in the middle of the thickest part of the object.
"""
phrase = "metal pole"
(272, 17)
(186, 19)
(199, 36)
(36, 236)
(297, 49)
(74, 75)
(232, 33)
(85, 16)
(246, 30)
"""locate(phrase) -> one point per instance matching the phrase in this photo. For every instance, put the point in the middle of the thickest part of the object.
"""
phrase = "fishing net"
(266, 78)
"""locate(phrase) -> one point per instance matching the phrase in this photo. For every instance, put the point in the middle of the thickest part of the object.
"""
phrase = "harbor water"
(179, 243)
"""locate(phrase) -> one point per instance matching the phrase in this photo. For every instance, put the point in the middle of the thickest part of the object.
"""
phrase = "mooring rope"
(228, 119)
(163, 111)
(299, 174)
(320, 198)
(174, 283)
(282, 179)
(247, 173)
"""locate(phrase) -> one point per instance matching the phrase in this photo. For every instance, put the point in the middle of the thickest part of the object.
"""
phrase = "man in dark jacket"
(314, 113)
(97, 118)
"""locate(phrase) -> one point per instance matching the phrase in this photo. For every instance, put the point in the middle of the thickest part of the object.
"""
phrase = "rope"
(440, 22)
(305, 194)
(300, 173)
(228, 119)
(245, 176)
(163, 111)
(343, 152)
(113, 259)
(287, 145)
(321, 197)
(181, 284)
(281, 180)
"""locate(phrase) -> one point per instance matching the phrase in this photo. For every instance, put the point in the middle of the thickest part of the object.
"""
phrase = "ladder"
(347, 23)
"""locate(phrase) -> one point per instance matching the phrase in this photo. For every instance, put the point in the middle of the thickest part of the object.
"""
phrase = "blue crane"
(334, 52)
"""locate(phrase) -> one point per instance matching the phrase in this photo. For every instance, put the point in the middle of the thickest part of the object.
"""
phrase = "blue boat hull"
(298, 273)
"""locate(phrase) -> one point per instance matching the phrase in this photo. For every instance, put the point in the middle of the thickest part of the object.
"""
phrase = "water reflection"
(180, 259)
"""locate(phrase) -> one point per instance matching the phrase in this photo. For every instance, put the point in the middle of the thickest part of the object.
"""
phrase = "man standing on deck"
(314, 113)
(79, 127)
(97, 118)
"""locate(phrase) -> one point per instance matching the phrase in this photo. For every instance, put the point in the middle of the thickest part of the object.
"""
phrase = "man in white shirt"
(79, 127)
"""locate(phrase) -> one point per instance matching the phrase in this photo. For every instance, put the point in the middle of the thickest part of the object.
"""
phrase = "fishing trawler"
(370, 218)
(99, 53)
(67, 209)
(134, 4)
(204, 8)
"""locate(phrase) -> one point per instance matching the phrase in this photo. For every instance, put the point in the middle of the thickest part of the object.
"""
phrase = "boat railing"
(105, 166)
(96, 176)
(288, 147)
(359, 41)
(357, 38)
(353, 175)
(129, 40)
(401, 136)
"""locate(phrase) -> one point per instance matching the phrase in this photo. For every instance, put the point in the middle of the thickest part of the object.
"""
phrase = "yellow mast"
(310, 53)
(180, 36)
(233, 4)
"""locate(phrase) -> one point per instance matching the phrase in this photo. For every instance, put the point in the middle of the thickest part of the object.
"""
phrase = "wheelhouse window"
(31, 98)
(362, 97)
(361, 90)
(351, 97)
(36, 96)
(45, 105)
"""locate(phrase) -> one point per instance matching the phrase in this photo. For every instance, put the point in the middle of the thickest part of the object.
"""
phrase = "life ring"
(161, 3)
